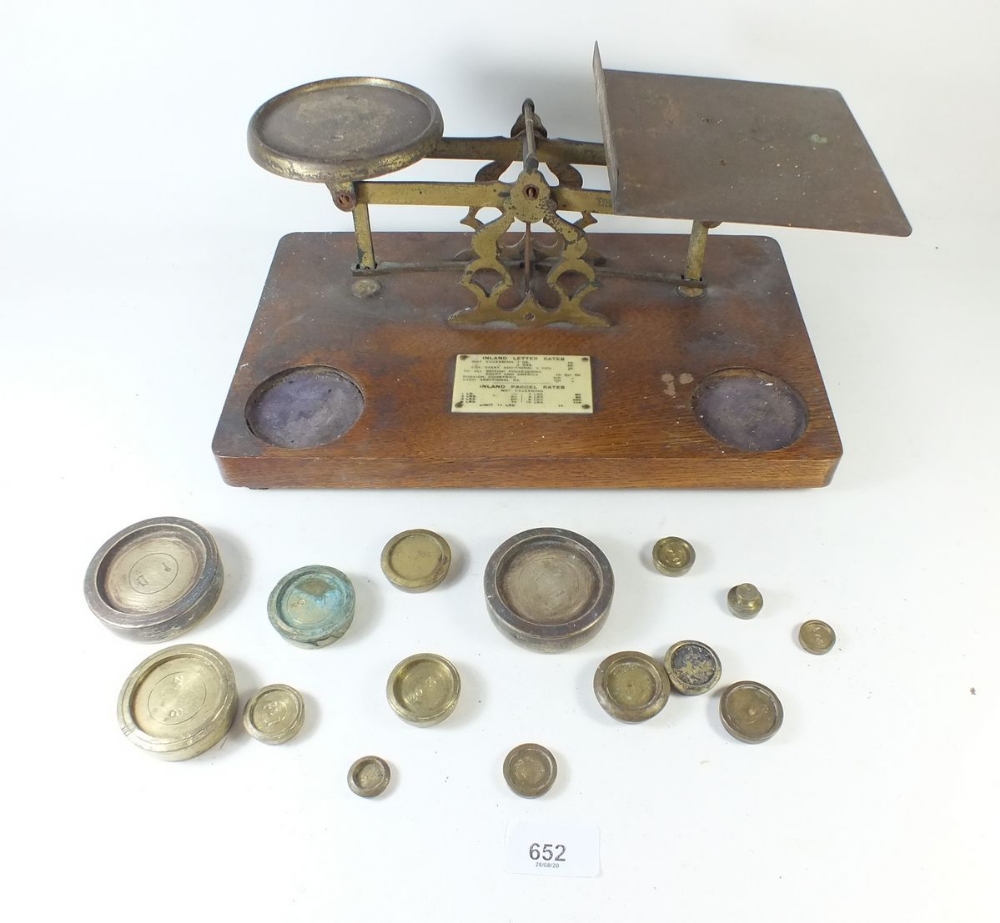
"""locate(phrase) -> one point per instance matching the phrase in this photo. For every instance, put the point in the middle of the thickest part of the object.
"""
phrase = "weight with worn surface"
(312, 606)
(673, 556)
(423, 689)
(817, 637)
(744, 601)
(416, 560)
(631, 686)
(693, 667)
(368, 776)
(155, 579)
(750, 712)
(529, 770)
(549, 589)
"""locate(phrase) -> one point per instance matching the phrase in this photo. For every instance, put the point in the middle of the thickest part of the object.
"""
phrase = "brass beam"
(582, 200)
(474, 195)
(587, 153)
(482, 195)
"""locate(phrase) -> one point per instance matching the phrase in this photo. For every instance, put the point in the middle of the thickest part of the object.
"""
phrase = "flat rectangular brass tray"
(666, 372)
(732, 150)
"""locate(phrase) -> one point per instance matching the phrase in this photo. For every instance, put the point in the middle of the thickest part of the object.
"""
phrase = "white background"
(135, 236)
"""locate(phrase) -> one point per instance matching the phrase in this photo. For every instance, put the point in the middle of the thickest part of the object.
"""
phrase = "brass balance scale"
(551, 357)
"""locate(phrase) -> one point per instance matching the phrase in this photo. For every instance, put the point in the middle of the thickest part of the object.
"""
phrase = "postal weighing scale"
(527, 351)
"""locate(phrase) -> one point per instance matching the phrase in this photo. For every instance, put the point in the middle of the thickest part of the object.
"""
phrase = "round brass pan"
(343, 130)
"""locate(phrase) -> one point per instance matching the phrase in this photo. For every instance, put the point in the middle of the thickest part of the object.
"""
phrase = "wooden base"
(400, 350)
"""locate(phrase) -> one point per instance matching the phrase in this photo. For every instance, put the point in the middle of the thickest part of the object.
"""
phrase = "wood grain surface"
(401, 351)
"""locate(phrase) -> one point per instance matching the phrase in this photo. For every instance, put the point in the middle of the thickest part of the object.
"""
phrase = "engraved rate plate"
(522, 384)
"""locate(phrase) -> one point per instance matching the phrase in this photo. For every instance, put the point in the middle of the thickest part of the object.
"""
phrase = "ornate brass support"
(557, 276)
(529, 200)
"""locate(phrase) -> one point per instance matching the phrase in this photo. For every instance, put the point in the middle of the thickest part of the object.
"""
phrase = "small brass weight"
(527, 351)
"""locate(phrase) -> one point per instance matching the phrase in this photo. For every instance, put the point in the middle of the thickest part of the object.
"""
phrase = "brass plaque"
(522, 384)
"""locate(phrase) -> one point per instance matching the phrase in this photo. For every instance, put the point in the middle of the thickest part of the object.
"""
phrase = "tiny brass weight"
(529, 770)
(693, 667)
(744, 601)
(631, 686)
(750, 712)
(369, 776)
(673, 556)
(423, 689)
(275, 714)
(416, 560)
(817, 637)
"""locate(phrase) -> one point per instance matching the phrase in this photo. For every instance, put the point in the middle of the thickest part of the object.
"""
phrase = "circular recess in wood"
(302, 408)
(750, 410)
